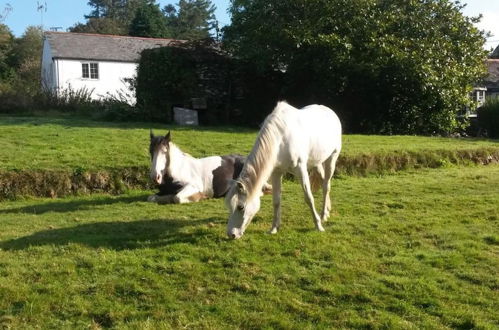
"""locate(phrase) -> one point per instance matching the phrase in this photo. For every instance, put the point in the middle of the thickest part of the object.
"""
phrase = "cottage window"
(90, 70)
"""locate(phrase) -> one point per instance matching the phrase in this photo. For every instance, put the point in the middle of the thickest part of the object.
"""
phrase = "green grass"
(34, 143)
(415, 250)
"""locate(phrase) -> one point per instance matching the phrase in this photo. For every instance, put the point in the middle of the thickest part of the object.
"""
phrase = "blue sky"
(65, 13)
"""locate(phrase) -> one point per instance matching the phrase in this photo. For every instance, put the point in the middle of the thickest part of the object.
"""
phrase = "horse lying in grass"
(290, 140)
(184, 179)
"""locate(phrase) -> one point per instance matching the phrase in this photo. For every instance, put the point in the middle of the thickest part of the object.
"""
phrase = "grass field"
(414, 250)
(33, 143)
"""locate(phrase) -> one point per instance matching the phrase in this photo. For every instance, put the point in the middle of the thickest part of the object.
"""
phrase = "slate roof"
(492, 79)
(495, 53)
(101, 47)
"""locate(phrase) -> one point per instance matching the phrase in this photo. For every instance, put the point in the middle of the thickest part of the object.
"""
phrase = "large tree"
(109, 16)
(25, 58)
(392, 66)
(6, 45)
(100, 25)
(192, 19)
(149, 22)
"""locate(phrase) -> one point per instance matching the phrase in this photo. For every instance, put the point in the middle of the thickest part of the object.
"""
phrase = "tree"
(149, 22)
(100, 25)
(25, 58)
(6, 45)
(390, 66)
(193, 20)
(109, 16)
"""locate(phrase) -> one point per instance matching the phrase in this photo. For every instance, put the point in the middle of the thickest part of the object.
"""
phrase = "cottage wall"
(111, 81)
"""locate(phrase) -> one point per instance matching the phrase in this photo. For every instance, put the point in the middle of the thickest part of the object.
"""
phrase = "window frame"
(90, 71)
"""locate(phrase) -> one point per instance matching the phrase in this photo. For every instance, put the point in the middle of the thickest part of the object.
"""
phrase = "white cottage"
(101, 64)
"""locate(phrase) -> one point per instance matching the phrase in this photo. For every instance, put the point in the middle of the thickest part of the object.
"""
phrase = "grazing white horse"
(290, 140)
(183, 178)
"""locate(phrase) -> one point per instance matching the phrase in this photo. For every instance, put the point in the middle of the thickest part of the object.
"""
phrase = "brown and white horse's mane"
(260, 162)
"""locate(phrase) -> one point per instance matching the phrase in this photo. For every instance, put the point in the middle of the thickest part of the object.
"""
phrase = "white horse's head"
(241, 209)
(159, 148)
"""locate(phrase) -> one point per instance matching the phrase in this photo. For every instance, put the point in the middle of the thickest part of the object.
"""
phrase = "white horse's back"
(313, 132)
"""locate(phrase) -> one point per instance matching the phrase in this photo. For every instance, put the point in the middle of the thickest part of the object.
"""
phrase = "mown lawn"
(415, 250)
(33, 143)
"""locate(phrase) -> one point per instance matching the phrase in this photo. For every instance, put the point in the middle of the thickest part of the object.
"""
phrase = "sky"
(63, 14)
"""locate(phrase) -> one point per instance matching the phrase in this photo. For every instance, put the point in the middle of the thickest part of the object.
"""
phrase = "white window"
(480, 97)
(90, 70)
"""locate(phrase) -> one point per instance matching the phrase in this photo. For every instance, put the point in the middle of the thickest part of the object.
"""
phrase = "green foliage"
(100, 25)
(174, 75)
(6, 45)
(165, 77)
(488, 118)
(409, 251)
(391, 66)
(19, 68)
(189, 20)
(109, 16)
(26, 60)
(149, 22)
(193, 20)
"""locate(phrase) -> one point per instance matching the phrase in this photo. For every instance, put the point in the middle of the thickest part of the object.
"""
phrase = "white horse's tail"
(315, 180)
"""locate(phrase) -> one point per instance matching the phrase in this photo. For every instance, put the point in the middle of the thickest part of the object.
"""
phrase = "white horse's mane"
(260, 162)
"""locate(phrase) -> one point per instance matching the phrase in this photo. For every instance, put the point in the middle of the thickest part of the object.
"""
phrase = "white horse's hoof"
(320, 228)
(152, 198)
(273, 231)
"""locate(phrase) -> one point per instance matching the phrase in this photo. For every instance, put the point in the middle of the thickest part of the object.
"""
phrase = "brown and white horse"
(183, 178)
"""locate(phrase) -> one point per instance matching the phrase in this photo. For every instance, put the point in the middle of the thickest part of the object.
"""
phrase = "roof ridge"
(109, 35)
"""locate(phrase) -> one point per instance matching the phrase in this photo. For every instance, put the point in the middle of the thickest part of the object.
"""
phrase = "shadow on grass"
(120, 235)
(74, 205)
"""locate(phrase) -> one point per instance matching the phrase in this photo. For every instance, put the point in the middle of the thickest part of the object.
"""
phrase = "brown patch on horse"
(197, 197)
(229, 170)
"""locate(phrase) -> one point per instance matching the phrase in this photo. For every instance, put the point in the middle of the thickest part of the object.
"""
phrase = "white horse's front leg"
(276, 201)
(188, 194)
(309, 198)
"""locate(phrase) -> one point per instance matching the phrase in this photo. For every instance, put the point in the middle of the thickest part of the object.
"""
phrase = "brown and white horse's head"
(159, 148)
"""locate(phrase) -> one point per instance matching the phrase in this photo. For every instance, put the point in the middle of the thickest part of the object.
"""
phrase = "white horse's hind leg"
(309, 198)
(276, 201)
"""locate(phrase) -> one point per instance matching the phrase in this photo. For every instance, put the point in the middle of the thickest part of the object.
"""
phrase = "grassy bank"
(57, 156)
(408, 251)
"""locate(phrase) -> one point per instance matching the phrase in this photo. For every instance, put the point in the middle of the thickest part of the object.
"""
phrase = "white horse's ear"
(168, 136)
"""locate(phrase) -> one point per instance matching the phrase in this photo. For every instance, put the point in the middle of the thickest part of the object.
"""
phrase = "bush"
(235, 91)
(488, 118)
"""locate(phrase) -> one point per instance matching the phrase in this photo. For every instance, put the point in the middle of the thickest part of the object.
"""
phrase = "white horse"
(290, 140)
(183, 178)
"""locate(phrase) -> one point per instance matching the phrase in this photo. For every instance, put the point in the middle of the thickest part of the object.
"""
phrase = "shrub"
(488, 118)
